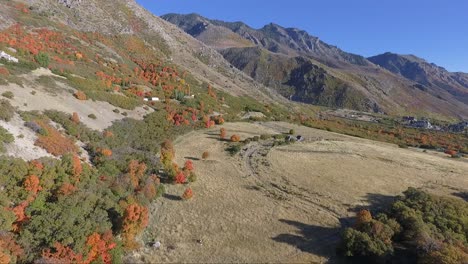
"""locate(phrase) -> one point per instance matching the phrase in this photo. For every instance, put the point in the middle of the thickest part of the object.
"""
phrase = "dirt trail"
(287, 203)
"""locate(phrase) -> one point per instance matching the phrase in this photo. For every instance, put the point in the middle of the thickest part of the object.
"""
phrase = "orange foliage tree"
(53, 141)
(80, 96)
(188, 194)
(180, 178)
(10, 251)
(136, 171)
(364, 216)
(61, 254)
(222, 133)
(135, 221)
(77, 168)
(235, 138)
(100, 245)
(75, 118)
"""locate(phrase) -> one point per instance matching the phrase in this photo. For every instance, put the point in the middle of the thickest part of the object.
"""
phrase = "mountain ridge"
(377, 88)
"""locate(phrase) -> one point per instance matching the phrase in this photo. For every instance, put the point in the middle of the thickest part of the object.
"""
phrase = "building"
(7, 57)
(458, 128)
(421, 124)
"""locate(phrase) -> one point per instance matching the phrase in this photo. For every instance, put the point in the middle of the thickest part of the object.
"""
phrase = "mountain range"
(303, 68)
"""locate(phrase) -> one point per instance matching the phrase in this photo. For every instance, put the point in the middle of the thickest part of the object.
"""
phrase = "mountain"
(428, 75)
(129, 18)
(305, 69)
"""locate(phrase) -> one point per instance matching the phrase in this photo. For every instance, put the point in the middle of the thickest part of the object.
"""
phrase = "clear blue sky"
(434, 30)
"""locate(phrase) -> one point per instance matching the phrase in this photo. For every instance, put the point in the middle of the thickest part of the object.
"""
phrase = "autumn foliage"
(9, 249)
(180, 178)
(188, 194)
(61, 254)
(135, 220)
(136, 171)
(188, 165)
(235, 138)
(364, 216)
(222, 133)
(77, 168)
(54, 142)
(75, 118)
(80, 96)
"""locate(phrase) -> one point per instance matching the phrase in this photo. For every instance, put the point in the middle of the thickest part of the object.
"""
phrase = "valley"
(287, 203)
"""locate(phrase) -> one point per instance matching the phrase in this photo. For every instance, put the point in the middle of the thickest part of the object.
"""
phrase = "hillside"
(352, 80)
(430, 76)
(123, 139)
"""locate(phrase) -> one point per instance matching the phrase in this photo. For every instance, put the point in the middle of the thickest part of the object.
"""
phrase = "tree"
(80, 95)
(135, 220)
(364, 216)
(188, 165)
(43, 59)
(136, 171)
(235, 138)
(75, 118)
(222, 133)
(188, 194)
(180, 178)
(77, 168)
(205, 155)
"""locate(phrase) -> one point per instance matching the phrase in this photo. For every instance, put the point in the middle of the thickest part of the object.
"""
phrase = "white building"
(7, 57)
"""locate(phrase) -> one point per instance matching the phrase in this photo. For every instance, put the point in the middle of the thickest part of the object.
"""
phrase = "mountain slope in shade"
(304, 68)
(429, 75)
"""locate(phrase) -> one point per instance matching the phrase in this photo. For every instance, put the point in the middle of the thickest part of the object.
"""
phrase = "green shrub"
(292, 132)
(42, 59)
(92, 116)
(256, 138)
(8, 94)
(265, 137)
(417, 220)
(5, 137)
(233, 149)
(7, 111)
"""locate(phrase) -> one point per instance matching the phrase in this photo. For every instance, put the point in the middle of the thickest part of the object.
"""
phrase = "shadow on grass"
(324, 241)
(192, 158)
(463, 195)
(172, 197)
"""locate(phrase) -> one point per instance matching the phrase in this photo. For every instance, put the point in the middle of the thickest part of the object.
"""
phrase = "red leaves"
(99, 247)
(31, 184)
(180, 178)
(235, 138)
(54, 142)
(188, 165)
(188, 194)
(4, 71)
(451, 152)
(61, 254)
